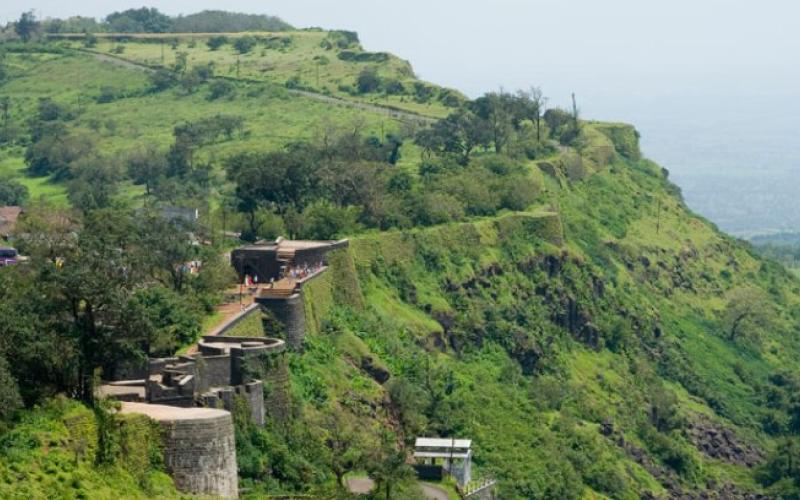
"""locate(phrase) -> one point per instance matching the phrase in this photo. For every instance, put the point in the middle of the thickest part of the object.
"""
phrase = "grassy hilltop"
(555, 301)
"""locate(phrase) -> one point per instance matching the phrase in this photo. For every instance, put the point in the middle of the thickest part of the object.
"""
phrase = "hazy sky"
(713, 85)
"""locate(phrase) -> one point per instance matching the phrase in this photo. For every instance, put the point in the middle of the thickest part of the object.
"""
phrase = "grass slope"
(550, 343)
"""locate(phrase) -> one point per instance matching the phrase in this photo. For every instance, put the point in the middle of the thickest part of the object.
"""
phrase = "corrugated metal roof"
(442, 443)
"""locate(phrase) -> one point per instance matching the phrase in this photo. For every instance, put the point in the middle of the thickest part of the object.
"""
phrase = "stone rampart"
(199, 447)
(290, 312)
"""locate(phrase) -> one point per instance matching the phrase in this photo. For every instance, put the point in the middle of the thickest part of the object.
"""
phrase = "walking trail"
(375, 108)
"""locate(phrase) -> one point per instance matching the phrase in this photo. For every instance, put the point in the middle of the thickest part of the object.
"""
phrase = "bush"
(326, 221)
(368, 81)
(244, 44)
(438, 208)
(10, 399)
(12, 192)
(90, 41)
(162, 79)
(372, 57)
(220, 88)
(215, 42)
(394, 87)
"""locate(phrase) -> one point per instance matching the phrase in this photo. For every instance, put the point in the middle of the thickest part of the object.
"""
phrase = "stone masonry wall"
(199, 447)
(200, 455)
(291, 313)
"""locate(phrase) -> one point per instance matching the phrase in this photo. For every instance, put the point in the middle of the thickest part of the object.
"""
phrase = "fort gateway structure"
(192, 396)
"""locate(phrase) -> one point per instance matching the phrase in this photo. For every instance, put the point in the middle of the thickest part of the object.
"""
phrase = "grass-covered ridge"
(521, 278)
(592, 364)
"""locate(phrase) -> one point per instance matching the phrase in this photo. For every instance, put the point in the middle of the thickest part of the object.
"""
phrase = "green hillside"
(540, 288)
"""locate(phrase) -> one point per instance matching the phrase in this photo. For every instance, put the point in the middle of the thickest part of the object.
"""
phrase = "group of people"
(303, 271)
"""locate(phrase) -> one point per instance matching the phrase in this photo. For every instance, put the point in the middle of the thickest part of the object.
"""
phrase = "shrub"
(10, 399)
(162, 79)
(244, 44)
(368, 81)
(394, 87)
(220, 88)
(438, 208)
(12, 192)
(215, 42)
(373, 57)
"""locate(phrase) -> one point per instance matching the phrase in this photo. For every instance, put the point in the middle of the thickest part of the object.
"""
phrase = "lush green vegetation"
(516, 275)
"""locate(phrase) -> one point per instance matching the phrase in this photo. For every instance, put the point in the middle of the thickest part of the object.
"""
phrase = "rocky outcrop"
(719, 442)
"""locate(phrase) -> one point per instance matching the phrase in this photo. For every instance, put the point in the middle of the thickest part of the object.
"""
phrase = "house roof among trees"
(8, 219)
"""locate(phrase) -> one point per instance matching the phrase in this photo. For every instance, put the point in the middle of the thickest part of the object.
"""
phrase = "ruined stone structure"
(192, 396)
(199, 447)
(224, 368)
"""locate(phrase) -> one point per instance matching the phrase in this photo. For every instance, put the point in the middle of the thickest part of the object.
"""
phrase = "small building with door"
(270, 260)
(436, 456)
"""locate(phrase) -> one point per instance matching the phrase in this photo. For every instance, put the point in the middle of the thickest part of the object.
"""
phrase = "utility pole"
(162, 52)
(238, 63)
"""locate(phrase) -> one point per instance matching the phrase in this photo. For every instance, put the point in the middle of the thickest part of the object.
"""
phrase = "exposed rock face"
(721, 443)
(199, 447)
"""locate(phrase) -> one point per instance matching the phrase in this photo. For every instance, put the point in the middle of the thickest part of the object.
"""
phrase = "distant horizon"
(707, 85)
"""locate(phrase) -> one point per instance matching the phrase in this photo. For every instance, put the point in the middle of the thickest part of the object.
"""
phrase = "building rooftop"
(447, 443)
(289, 244)
(8, 218)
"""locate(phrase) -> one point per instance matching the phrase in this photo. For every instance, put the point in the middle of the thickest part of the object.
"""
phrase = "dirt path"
(363, 485)
(433, 492)
(374, 108)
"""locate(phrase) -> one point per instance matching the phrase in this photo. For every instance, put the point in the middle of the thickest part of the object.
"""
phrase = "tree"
(10, 399)
(531, 106)
(220, 88)
(161, 79)
(323, 220)
(344, 440)
(782, 469)
(27, 26)
(215, 42)
(368, 81)
(496, 110)
(555, 118)
(94, 185)
(146, 166)
(387, 465)
(460, 133)
(55, 151)
(139, 20)
(244, 44)
(747, 312)
(277, 180)
(12, 192)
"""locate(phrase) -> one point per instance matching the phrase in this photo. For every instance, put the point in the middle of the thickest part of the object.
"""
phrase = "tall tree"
(497, 110)
(27, 26)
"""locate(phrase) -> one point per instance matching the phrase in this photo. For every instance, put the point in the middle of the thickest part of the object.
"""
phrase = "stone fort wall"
(199, 447)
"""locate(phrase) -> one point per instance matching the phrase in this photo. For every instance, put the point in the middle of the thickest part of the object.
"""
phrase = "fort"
(192, 396)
